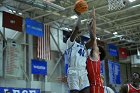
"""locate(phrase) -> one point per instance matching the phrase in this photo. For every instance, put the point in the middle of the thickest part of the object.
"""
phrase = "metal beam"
(133, 48)
(105, 31)
(124, 24)
(28, 9)
(134, 45)
(124, 35)
(129, 26)
(3, 36)
(123, 10)
(30, 3)
(55, 43)
(136, 42)
(46, 14)
(119, 19)
(54, 68)
(64, 17)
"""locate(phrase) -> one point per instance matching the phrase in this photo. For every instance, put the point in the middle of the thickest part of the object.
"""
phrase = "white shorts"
(77, 79)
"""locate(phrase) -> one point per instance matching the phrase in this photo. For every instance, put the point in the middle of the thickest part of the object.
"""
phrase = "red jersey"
(93, 69)
(131, 89)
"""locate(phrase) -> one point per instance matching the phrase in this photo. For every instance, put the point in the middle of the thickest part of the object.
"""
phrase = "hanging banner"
(12, 21)
(18, 90)
(112, 49)
(114, 73)
(102, 68)
(14, 62)
(117, 73)
(39, 67)
(34, 28)
(122, 53)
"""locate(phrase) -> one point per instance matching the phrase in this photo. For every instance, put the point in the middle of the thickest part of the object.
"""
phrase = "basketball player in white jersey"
(77, 74)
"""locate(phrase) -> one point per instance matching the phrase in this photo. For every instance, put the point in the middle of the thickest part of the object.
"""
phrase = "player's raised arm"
(92, 31)
(76, 29)
(75, 32)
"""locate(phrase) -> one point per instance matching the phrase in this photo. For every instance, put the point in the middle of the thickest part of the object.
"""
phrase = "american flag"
(43, 46)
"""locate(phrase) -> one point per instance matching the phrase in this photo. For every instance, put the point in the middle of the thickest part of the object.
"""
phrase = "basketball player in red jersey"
(134, 86)
(93, 61)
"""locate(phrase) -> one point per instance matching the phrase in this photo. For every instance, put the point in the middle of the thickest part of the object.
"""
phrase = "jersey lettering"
(81, 52)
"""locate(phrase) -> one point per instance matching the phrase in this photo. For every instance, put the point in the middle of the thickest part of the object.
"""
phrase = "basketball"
(81, 6)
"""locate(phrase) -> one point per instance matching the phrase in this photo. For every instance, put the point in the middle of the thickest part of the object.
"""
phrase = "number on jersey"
(81, 52)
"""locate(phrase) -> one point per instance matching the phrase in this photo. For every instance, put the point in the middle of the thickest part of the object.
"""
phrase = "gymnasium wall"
(52, 85)
(58, 35)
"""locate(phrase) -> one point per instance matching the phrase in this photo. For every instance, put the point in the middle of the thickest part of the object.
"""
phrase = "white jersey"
(108, 90)
(77, 73)
(77, 55)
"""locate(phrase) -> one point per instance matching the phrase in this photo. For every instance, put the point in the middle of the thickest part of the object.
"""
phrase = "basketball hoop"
(115, 4)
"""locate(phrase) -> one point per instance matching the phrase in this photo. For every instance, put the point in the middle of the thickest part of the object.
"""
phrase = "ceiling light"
(14, 11)
(54, 5)
(74, 17)
(132, 0)
(65, 28)
(20, 13)
(99, 38)
(115, 33)
(10, 10)
(70, 29)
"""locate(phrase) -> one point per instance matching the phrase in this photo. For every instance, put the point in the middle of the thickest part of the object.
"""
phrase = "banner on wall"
(102, 68)
(39, 67)
(18, 90)
(34, 28)
(112, 49)
(12, 21)
(14, 62)
(114, 73)
(122, 53)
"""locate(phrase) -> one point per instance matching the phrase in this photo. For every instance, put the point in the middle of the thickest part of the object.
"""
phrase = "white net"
(115, 4)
